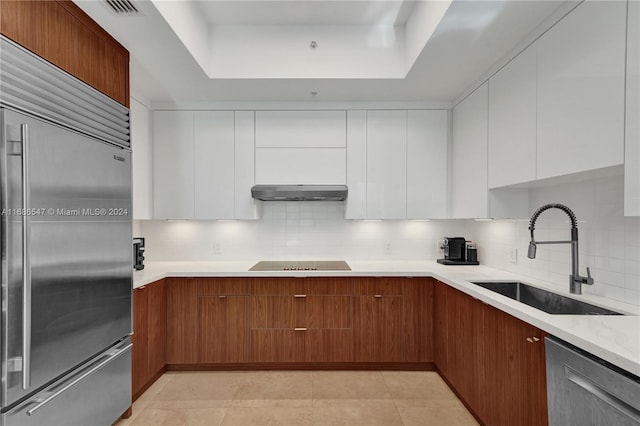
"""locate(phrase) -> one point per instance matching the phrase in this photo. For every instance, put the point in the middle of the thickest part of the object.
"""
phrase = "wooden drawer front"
(302, 286)
(327, 312)
(222, 329)
(329, 286)
(277, 345)
(381, 286)
(325, 345)
(223, 286)
(278, 286)
(277, 312)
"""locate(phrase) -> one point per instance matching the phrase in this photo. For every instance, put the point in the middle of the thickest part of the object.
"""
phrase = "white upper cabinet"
(203, 165)
(356, 203)
(244, 176)
(469, 185)
(632, 132)
(142, 159)
(214, 167)
(293, 166)
(173, 177)
(427, 141)
(512, 121)
(397, 164)
(581, 65)
(299, 129)
(470, 195)
(386, 164)
(300, 147)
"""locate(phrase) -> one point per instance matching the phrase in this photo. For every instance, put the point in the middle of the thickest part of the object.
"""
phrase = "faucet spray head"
(531, 253)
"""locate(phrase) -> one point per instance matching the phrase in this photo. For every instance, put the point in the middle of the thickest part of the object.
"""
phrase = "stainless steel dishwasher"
(583, 390)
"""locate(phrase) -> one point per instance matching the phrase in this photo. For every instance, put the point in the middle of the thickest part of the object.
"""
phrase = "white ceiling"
(308, 12)
(471, 37)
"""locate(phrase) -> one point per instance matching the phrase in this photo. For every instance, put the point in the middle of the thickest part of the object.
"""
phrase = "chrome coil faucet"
(575, 279)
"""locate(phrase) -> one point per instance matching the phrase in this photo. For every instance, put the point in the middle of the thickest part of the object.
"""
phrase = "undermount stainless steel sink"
(547, 301)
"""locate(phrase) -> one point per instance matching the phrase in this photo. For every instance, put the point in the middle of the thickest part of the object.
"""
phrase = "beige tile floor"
(322, 398)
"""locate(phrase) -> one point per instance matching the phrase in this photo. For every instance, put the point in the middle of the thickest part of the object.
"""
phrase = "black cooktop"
(301, 265)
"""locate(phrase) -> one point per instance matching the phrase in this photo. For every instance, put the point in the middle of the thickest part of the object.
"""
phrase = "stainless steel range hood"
(299, 192)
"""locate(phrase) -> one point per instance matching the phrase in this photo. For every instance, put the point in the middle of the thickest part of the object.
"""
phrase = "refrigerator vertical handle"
(26, 261)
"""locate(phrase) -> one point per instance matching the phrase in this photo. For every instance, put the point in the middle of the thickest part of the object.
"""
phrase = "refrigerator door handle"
(112, 355)
(26, 261)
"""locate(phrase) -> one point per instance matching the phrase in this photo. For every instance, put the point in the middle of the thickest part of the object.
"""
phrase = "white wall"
(608, 242)
(297, 230)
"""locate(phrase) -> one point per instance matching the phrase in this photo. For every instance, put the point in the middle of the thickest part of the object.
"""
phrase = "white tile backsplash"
(298, 230)
(609, 242)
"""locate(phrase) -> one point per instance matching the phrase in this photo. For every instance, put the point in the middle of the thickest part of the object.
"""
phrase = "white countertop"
(615, 339)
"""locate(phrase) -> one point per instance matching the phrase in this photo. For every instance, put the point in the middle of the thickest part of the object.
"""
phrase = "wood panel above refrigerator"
(61, 33)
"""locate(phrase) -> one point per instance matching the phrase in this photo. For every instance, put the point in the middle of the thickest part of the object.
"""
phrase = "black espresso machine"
(457, 251)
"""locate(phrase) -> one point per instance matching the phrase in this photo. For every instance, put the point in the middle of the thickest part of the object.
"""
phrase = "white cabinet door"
(292, 166)
(142, 159)
(469, 186)
(356, 165)
(512, 121)
(386, 164)
(312, 129)
(581, 90)
(632, 133)
(173, 183)
(427, 137)
(300, 147)
(213, 165)
(245, 206)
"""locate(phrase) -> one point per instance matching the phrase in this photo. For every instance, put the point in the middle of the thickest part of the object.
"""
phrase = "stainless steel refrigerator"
(65, 195)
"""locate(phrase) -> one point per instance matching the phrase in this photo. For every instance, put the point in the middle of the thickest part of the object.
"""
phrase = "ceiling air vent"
(122, 7)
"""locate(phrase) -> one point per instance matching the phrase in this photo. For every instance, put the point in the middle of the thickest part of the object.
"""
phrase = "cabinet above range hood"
(299, 192)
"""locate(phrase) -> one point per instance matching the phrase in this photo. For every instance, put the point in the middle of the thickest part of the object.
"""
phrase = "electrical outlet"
(513, 255)
(387, 248)
(217, 247)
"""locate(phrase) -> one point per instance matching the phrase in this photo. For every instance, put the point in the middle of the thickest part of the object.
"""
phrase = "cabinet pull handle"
(536, 339)
(222, 297)
(529, 339)
(299, 296)
(378, 296)
(300, 329)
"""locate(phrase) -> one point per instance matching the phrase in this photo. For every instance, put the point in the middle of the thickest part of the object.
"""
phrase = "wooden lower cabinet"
(300, 320)
(512, 353)
(465, 329)
(494, 361)
(139, 352)
(223, 329)
(277, 345)
(148, 357)
(418, 319)
(329, 345)
(440, 328)
(377, 328)
(182, 320)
